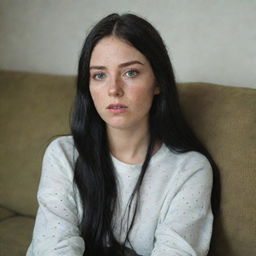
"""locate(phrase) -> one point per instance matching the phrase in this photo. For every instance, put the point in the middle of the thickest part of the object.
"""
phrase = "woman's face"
(122, 84)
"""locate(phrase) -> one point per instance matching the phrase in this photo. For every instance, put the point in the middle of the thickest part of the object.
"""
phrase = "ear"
(156, 90)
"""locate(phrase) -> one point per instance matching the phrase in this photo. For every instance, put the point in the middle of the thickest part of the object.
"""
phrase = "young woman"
(133, 174)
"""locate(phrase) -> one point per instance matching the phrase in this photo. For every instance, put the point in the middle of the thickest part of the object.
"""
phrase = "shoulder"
(61, 143)
(64, 144)
(185, 159)
(196, 169)
(61, 150)
(194, 158)
(188, 164)
(58, 164)
(57, 173)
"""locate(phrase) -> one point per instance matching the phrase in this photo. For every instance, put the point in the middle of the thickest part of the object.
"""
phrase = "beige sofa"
(35, 107)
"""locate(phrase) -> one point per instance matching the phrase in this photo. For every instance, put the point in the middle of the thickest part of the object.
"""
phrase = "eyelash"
(94, 76)
(134, 71)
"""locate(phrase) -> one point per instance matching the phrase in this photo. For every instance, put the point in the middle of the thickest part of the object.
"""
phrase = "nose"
(115, 88)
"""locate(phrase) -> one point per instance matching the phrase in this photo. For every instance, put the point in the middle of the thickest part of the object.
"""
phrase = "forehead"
(115, 50)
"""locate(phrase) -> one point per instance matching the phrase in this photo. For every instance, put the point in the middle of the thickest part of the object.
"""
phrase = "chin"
(118, 123)
(124, 123)
(118, 126)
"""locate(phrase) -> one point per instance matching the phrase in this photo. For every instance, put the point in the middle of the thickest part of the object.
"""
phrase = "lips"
(116, 106)
(117, 109)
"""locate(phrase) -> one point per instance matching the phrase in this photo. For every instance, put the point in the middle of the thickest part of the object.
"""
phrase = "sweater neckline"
(154, 158)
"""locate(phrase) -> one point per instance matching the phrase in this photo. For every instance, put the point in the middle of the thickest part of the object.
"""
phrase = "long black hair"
(94, 170)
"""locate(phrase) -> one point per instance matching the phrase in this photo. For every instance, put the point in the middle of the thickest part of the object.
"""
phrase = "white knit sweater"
(174, 217)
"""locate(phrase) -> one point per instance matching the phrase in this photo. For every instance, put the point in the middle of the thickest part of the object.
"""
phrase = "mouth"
(117, 108)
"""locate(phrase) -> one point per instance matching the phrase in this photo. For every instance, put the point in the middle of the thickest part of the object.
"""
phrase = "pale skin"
(120, 74)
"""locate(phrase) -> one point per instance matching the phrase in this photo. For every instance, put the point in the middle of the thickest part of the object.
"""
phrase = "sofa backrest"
(35, 107)
(224, 118)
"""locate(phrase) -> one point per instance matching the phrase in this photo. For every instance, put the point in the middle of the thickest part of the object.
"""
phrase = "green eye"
(99, 76)
(132, 73)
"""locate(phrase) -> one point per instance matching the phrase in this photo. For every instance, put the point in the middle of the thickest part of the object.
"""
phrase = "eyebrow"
(125, 64)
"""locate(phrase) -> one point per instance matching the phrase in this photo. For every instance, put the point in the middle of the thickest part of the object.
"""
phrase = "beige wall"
(208, 40)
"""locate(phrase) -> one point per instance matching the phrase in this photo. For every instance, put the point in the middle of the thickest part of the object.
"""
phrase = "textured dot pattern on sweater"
(174, 216)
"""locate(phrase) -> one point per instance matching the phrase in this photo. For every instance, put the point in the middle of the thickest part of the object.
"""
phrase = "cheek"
(96, 97)
(142, 97)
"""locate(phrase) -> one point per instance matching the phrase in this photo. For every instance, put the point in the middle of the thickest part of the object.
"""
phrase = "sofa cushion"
(15, 235)
(4, 213)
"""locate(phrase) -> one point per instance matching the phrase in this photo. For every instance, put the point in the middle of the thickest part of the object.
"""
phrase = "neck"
(129, 146)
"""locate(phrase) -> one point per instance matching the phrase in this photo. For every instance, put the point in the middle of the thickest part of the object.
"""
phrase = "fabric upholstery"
(4, 213)
(35, 107)
(224, 118)
(15, 235)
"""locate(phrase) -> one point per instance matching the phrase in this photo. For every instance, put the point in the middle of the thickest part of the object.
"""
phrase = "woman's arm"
(186, 221)
(56, 230)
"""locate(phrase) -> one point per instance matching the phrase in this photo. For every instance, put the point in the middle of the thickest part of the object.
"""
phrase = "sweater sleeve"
(56, 230)
(185, 225)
